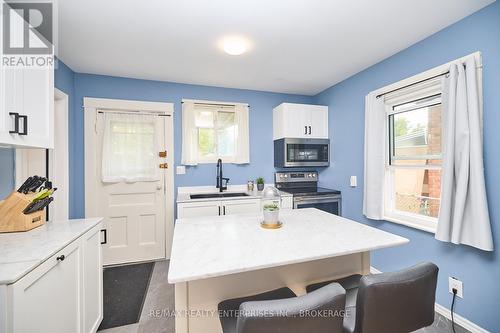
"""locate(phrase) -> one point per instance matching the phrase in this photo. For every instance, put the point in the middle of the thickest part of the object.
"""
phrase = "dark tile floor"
(160, 296)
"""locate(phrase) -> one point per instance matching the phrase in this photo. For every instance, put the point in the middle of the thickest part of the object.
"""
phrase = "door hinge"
(162, 154)
(164, 166)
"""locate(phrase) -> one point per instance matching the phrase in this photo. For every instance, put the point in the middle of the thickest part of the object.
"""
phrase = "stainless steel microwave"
(290, 153)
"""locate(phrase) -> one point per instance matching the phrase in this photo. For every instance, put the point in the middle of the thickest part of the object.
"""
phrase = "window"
(211, 131)
(130, 147)
(413, 170)
(217, 133)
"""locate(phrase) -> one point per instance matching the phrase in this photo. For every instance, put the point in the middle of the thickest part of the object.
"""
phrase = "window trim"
(417, 221)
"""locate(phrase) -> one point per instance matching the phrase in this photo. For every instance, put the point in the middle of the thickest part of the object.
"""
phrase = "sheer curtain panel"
(130, 148)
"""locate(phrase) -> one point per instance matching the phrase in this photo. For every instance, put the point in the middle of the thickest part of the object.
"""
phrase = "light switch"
(180, 170)
(354, 181)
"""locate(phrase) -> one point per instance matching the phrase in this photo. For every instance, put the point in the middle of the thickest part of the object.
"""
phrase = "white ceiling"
(299, 46)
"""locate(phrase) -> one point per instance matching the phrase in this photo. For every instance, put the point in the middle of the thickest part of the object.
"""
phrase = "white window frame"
(226, 159)
(421, 223)
(409, 219)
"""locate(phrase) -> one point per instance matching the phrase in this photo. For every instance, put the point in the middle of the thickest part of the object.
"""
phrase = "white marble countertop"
(21, 252)
(183, 194)
(207, 247)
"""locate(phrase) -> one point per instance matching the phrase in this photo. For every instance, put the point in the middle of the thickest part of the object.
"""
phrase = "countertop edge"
(174, 280)
(37, 262)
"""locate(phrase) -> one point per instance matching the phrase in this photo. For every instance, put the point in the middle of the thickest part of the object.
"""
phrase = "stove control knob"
(314, 175)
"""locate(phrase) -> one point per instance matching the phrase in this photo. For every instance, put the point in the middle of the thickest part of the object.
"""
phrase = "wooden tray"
(12, 218)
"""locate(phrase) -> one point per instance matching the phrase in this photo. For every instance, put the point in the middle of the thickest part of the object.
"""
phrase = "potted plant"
(271, 214)
(260, 183)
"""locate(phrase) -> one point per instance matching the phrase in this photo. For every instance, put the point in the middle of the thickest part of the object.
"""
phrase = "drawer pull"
(61, 258)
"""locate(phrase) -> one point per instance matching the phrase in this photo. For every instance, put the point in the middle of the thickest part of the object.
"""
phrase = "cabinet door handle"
(309, 129)
(306, 129)
(224, 210)
(61, 258)
(16, 122)
(105, 232)
(219, 210)
(25, 125)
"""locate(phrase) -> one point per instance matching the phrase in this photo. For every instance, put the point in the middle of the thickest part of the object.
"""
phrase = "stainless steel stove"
(303, 185)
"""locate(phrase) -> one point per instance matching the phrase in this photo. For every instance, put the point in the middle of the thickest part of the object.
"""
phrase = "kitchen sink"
(218, 195)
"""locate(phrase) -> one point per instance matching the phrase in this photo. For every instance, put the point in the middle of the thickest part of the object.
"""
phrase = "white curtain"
(242, 153)
(130, 148)
(189, 134)
(463, 216)
(375, 142)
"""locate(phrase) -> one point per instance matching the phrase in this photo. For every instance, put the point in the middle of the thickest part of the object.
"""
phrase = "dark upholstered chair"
(228, 309)
(319, 312)
(396, 302)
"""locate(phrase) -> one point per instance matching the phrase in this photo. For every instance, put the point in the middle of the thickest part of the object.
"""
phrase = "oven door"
(302, 152)
(329, 204)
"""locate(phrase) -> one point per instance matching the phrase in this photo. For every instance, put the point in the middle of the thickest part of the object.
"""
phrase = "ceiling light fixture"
(235, 45)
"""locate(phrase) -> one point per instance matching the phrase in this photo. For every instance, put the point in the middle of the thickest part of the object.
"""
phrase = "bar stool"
(396, 302)
(319, 312)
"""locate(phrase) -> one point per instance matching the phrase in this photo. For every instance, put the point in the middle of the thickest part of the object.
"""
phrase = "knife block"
(12, 218)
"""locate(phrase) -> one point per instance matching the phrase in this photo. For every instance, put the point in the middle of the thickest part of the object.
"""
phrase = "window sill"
(416, 223)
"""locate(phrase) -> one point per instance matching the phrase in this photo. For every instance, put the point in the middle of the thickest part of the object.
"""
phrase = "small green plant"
(259, 180)
(271, 207)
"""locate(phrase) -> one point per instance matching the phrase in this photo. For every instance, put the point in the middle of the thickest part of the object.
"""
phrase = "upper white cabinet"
(27, 108)
(292, 120)
(26, 104)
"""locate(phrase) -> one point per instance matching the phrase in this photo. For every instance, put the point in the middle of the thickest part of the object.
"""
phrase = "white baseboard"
(443, 311)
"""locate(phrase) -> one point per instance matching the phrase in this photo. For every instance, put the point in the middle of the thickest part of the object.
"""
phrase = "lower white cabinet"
(63, 294)
(247, 206)
(218, 207)
(195, 209)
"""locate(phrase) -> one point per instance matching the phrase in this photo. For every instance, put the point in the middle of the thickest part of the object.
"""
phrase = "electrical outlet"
(454, 283)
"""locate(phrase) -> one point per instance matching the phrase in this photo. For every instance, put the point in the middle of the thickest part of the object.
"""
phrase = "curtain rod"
(118, 111)
(412, 84)
(211, 103)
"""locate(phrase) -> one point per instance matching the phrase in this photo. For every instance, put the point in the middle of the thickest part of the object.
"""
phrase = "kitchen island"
(223, 257)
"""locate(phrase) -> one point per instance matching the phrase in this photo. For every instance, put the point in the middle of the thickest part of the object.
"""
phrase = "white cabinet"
(292, 120)
(218, 207)
(231, 207)
(61, 295)
(26, 105)
(92, 281)
(48, 298)
(287, 202)
(195, 209)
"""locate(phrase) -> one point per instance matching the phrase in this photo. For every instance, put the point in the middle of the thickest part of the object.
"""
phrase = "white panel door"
(198, 209)
(48, 299)
(134, 213)
(231, 207)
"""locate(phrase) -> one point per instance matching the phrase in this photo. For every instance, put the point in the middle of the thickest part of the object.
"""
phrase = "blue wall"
(7, 172)
(478, 270)
(261, 105)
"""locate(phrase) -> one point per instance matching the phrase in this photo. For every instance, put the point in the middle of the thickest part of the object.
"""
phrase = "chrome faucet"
(220, 180)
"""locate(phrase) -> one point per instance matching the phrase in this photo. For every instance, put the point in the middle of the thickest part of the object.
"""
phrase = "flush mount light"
(235, 45)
